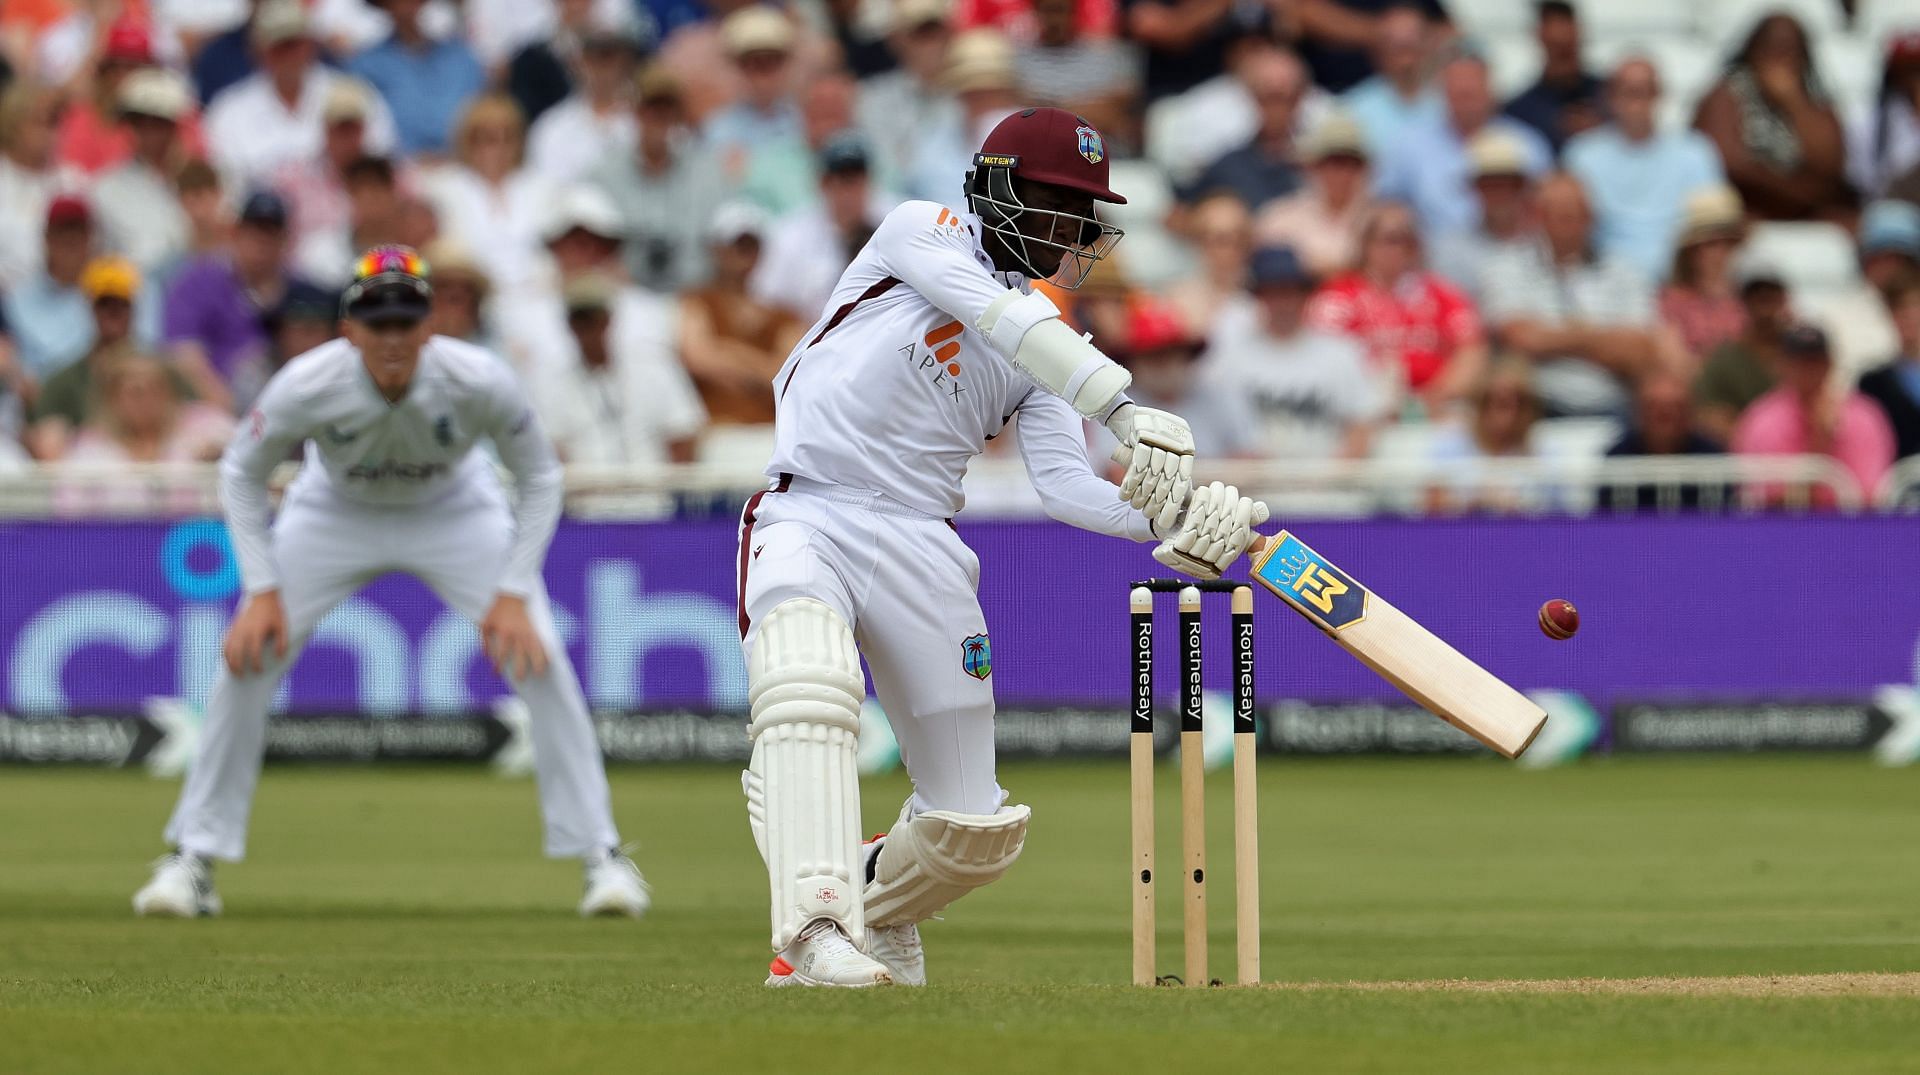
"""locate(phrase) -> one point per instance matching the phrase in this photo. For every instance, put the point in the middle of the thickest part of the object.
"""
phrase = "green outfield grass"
(400, 920)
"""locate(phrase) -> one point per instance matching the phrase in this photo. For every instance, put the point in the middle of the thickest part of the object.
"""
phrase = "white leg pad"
(802, 784)
(931, 859)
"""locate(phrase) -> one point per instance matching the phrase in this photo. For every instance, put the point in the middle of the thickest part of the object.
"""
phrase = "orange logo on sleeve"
(943, 345)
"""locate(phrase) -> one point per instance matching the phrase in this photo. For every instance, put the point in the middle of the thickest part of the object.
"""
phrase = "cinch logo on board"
(938, 356)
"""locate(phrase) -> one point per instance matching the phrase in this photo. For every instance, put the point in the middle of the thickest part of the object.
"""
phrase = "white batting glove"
(1217, 528)
(1157, 448)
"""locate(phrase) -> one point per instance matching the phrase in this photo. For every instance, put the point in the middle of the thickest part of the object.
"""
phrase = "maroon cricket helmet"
(1053, 146)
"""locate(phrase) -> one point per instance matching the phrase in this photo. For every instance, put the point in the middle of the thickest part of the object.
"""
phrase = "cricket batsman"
(932, 343)
(389, 416)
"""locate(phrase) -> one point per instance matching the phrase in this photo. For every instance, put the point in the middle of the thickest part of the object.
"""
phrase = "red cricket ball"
(1559, 620)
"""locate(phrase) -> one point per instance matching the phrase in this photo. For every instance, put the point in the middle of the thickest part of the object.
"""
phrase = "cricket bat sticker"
(1304, 579)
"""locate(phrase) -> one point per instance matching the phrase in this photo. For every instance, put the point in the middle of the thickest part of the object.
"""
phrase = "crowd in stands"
(1347, 217)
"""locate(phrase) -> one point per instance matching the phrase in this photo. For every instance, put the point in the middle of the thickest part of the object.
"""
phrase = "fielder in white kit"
(389, 416)
(932, 343)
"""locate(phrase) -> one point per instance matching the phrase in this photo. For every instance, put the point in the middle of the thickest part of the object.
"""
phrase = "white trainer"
(898, 949)
(182, 887)
(823, 955)
(614, 887)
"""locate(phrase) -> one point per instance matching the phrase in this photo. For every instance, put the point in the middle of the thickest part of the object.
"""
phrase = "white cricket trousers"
(908, 586)
(327, 548)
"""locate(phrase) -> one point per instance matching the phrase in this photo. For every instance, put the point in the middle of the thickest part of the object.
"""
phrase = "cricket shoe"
(614, 886)
(823, 955)
(898, 949)
(182, 887)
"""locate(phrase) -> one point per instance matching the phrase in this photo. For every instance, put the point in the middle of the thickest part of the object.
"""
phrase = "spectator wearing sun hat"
(275, 115)
(91, 137)
(1503, 187)
(1701, 298)
(897, 109)
(596, 122)
(140, 213)
(665, 188)
(759, 42)
(1321, 221)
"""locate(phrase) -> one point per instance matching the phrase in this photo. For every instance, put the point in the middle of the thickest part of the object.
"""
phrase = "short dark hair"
(375, 169)
(1555, 9)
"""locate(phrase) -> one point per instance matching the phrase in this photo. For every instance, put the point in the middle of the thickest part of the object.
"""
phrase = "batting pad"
(802, 785)
(934, 858)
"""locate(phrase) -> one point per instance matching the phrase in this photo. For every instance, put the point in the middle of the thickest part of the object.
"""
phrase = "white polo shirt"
(251, 132)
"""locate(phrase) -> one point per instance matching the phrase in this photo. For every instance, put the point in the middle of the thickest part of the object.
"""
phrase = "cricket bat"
(1390, 642)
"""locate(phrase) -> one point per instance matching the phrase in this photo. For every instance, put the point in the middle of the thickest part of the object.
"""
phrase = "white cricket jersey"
(360, 447)
(892, 391)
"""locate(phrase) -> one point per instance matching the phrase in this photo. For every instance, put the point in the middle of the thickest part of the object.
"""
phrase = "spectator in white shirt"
(621, 397)
(275, 115)
(597, 121)
(980, 72)
(139, 210)
(1221, 232)
(1505, 411)
(582, 233)
(30, 178)
(897, 109)
(1312, 390)
(1638, 175)
(808, 250)
(488, 200)
(315, 187)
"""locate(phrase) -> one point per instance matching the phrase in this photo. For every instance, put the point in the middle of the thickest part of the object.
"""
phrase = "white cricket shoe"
(182, 887)
(823, 955)
(614, 886)
(898, 949)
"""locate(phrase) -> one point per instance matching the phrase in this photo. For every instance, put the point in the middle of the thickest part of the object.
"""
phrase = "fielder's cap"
(756, 29)
(843, 153)
(585, 209)
(735, 221)
(1336, 135)
(1805, 341)
(1158, 326)
(1277, 266)
(279, 20)
(1496, 153)
(1053, 146)
(980, 60)
(389, 284)
(1714, 212)
(127, 42)
(1890, 226)
(348, 100)
(913, 14)
(589, 292)
(265, 209)
(69, 211)
(110, 277)
(156, 92)
(654, 84)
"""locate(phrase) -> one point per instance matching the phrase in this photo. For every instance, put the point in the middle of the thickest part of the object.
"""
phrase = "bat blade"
(1425, 668)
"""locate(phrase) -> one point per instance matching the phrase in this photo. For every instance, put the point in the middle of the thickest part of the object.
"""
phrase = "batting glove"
(1217, 528)
(1157, 448)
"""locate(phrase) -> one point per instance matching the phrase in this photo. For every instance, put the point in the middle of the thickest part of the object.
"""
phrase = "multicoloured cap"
(389, 283)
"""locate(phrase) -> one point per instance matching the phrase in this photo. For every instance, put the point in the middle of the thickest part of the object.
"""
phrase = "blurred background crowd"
(1356, 229)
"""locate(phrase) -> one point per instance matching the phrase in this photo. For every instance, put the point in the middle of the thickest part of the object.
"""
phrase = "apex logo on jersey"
(941, 358)
(976, 656)
(1091, 147)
